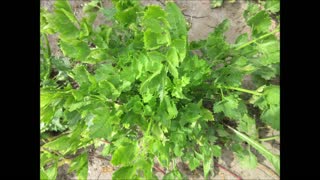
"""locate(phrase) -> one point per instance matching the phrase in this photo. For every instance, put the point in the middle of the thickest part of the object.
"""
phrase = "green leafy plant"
(272, 6)
(137, 87)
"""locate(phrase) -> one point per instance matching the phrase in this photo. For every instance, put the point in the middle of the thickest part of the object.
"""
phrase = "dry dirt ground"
(203, 19)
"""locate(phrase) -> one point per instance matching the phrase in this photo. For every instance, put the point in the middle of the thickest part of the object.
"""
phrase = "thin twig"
(210, 26)
(107, 142)
(266, 169)
(102, 158)
(162, 3)
(159, 169)
(196, 17)
(222, 167)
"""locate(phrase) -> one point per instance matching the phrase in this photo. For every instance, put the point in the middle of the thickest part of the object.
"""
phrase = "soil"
(202, 19)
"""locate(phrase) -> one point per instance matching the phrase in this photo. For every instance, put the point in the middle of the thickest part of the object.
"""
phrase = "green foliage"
(272, 6)
(269, 103)
(218, 3)
(137, 87)
(80, 166)
(274, 159)
(245, 156)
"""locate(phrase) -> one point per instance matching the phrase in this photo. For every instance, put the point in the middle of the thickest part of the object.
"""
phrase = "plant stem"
(269, 138)
(242, 90)
(218, 56)
(51, 151)
(221, 93)
(261, 37)
(48, 46)
(149, 127)
(104, 141)
(47, 55)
